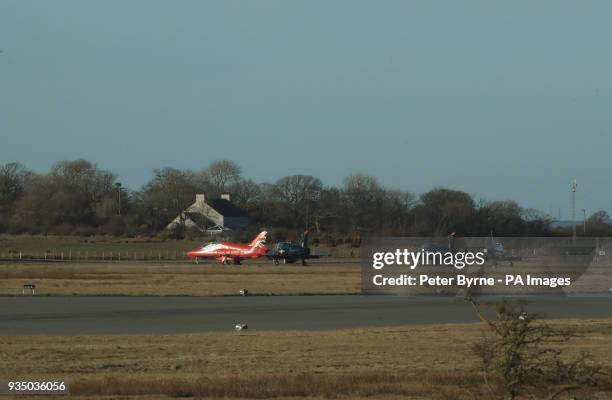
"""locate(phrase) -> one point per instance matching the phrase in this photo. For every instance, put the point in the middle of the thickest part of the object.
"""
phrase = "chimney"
(225, 196)
(200, 199)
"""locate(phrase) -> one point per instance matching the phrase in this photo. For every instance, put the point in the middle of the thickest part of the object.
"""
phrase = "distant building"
(205, 213)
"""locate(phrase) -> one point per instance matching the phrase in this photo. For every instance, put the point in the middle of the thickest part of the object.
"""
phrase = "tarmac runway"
(74, 315)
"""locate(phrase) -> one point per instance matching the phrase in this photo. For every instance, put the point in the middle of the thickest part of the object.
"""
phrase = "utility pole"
(574, 185)
(118, 186)
(584, 220)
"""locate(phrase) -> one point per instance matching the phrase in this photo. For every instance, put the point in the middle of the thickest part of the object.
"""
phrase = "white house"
(208, 212)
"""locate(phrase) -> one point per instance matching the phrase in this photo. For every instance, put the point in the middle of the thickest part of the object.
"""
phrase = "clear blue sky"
(505, 100)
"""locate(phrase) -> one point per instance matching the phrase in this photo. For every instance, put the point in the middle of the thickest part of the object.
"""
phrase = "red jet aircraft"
(232, 252)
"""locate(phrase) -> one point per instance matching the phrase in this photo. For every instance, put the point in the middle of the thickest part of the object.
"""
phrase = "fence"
(130, 255)
(69, 255)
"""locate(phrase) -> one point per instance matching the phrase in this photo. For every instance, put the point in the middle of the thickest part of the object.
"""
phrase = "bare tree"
(523, 356)
(67, 197)
(446, 210)
(364, 195)
(222, 173)
(13, 179)
(85, 177)
(397, 206)
(171, 190)
(600, 217)
(299, 193)
(245, 192)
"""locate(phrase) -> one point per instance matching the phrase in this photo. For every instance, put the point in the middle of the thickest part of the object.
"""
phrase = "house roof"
(227, 208)
(197, 218)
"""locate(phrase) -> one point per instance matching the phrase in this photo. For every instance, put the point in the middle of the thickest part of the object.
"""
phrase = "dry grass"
(416, 362)
(284, 385)
(158, 277)
(137, 278)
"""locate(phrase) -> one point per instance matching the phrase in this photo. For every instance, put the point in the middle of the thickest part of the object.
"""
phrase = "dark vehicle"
(289, 252)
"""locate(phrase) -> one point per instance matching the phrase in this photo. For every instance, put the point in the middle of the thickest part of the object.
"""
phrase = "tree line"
(79, 198)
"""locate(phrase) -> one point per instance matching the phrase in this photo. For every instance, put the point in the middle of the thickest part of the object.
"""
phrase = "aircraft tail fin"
(259, 239)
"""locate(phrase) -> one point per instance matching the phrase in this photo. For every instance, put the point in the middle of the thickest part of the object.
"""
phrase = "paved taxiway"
(141, 315)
